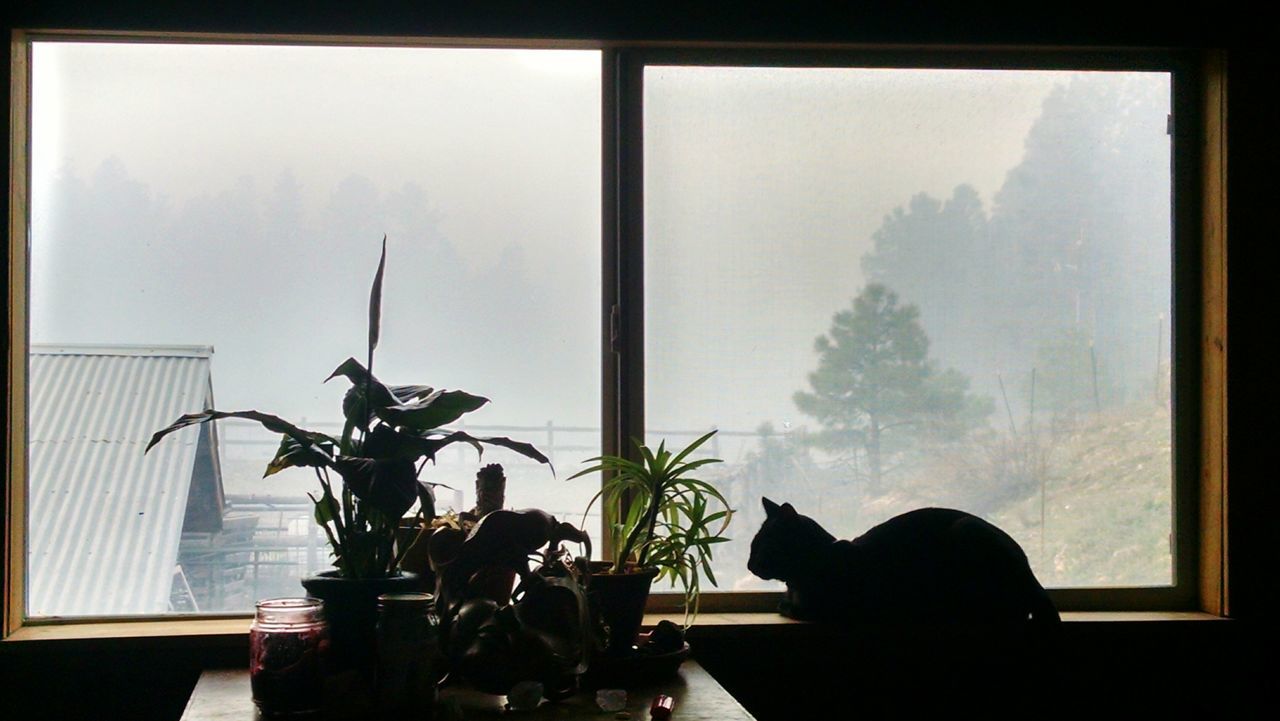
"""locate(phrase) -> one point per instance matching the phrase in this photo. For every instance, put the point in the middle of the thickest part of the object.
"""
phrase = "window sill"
(212, 631)
(718, 625)
(233, 631)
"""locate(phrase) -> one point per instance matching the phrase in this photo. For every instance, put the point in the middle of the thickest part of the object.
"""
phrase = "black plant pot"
(351, 607)
(620, 599)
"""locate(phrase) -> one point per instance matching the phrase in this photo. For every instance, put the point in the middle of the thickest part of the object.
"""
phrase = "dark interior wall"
(1183, 670)
(1193, 669)
(842, 21)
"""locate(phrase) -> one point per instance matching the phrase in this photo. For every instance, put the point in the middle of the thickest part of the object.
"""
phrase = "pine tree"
(875, 382)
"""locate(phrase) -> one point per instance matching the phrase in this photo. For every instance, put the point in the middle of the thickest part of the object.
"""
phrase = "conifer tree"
(875, 383)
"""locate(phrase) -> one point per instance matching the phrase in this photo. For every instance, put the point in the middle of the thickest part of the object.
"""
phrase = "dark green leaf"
(389, 486)
(270, 422)
(352, 369)
(525, 449)
(326, 508)
(384, 396)
(427, 499)
(692, 447)
(410, 393)
(438, 409)
(375, 300)
(428, 443)
(385, 442)
(355, 407)
(706, 566)
(292, 454)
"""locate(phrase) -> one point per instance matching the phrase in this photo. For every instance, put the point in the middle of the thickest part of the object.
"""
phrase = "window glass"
(206, 221)
(896, 288)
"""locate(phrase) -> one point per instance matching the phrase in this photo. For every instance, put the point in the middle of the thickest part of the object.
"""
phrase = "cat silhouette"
(930, 565)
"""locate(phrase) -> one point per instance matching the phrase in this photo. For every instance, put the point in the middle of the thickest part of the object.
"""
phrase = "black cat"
(932, 565)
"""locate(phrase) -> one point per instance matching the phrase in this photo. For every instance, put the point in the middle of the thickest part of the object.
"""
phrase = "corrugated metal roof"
(104, 521)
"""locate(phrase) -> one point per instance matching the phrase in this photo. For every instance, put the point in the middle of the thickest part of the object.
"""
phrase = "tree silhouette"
(1076, 242)
(937, 253)
(875, 383)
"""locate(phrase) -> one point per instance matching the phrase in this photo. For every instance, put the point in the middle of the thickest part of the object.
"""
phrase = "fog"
(236, 197)
(248, 188)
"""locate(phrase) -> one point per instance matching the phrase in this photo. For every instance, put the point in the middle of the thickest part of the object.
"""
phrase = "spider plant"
(657, 514)
(389, 435)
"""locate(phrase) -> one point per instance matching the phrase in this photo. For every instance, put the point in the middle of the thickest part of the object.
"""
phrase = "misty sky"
(236, 196)
(497, 151)
(483, 168)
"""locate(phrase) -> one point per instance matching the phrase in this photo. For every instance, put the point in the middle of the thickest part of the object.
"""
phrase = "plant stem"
(651, 521)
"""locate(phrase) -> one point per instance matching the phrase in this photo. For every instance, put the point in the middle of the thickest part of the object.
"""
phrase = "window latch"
(615, 329)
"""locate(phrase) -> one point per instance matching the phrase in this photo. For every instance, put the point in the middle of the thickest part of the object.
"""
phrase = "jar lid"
(405, 599)
(288, 604)
(290, 611)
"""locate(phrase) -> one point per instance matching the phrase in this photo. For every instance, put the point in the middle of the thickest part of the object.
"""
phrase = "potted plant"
(660, 522)
(414, 532)
(369, 478)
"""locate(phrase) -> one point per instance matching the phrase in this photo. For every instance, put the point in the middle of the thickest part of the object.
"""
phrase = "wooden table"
(223, 695)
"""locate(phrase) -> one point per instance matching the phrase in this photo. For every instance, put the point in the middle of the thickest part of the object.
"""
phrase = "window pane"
(899, 288)
(193, 197)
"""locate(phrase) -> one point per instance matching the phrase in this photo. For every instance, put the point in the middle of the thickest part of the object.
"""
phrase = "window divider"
(14, 501)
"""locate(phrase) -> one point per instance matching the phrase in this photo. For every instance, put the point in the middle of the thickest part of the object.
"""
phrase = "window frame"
(1199, 309)
(1190, 314)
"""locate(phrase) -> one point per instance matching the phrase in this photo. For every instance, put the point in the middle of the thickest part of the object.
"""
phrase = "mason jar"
(288, 642)
(408, 653)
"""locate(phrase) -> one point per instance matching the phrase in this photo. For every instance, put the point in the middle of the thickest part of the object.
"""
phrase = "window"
(204, 218)
(893, 281)
(984, 258)
(205, 224)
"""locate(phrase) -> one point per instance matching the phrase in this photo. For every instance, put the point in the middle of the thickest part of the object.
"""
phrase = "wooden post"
(1008, 411)
(1093, 362)
(1031, 415)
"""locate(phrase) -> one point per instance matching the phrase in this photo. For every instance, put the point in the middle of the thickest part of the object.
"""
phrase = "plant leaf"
(427, 499)
(438, 409)
(355, 407)
(385, 442)
(375, 300)
(326, 508)
(410, 393)
(525, 449)
(268, 421)
(692, 447)
(292, 454)
(388, 485)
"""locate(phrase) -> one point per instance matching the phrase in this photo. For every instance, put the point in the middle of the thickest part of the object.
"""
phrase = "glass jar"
(408, 652)
(288, 642)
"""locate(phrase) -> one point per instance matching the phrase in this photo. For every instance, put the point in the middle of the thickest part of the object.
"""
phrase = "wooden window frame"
(1199, 280)
(1198, 302)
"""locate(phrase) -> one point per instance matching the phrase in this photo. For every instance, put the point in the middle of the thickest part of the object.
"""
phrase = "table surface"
(223, 695)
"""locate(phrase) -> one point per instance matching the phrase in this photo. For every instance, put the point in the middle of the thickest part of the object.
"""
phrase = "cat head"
(783, 540)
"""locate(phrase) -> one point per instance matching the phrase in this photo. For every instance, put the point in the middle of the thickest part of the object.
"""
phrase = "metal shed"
(104, 521)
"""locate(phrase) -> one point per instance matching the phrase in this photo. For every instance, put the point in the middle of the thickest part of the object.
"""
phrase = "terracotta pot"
(351, 607)
(620, 598)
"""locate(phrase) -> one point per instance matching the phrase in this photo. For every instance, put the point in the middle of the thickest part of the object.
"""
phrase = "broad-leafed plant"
(390, 434)
(657, 514)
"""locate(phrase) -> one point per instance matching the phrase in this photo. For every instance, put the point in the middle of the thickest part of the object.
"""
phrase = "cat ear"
(788, 509)
(770, 508)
